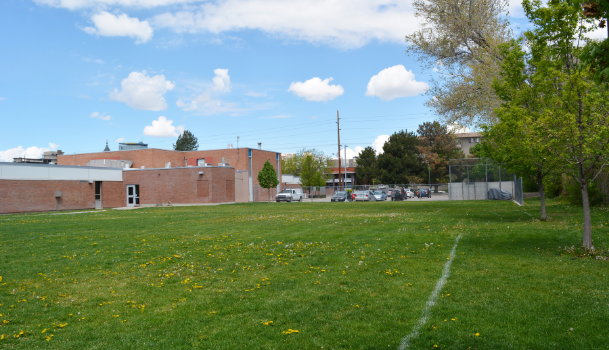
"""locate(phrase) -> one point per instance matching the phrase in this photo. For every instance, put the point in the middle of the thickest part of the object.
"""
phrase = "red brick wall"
(181, 185)
(156, 158)
(113, 194)
(27, 196)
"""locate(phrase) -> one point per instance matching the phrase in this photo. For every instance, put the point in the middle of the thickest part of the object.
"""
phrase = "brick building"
(44, 187)
(241, 159)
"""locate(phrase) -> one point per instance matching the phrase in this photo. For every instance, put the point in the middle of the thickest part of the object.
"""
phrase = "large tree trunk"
(587, 218)
(542, 197)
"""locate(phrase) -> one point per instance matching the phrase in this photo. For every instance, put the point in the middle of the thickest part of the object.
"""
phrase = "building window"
(201, 162)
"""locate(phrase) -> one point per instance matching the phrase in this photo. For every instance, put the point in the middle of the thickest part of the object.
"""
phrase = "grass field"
(304, 276)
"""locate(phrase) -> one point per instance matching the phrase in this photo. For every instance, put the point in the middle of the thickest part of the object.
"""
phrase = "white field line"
(405, 344)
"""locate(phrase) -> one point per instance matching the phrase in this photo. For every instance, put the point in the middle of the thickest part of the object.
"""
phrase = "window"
(201, 162)
(471, 140)
(477, 139)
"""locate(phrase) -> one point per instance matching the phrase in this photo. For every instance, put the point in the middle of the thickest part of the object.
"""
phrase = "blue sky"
(77, 72)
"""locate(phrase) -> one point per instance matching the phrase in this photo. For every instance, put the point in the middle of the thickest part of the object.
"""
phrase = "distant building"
(287, 155)
(49, 157)
(467, 140)
(107, 149)
(132, 146)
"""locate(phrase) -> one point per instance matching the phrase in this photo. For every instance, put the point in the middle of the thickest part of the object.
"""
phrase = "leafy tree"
(562, 112)
(267, 177)
(400, 162)
(437, 147)
(312, 171)
(460, 39)
(186, 142)
(596, 53)
(293, 165)
(366, 166)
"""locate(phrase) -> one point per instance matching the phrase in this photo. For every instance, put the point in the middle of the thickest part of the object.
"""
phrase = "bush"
(552, 186)
(574, 194)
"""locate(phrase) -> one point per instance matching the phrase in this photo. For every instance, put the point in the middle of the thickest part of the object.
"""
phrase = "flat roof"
(179, 167)
(171, 150)
(43, 165)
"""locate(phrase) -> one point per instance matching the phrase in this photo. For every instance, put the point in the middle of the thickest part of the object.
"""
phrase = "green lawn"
(343, 275)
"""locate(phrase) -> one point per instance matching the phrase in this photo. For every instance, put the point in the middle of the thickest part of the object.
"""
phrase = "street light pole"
(346, 167)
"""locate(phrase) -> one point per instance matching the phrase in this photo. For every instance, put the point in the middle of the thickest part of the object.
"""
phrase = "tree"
(366, 166)
(563, 112)
(312, 171)
(293, 165)
(267, 177)
(596, 53)
(459, 40)
(186, 142)
(400, 162)
(437, 147)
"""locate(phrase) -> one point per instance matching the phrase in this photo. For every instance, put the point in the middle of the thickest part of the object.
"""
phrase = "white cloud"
(2, 98)
(208, 102)
(395, 82)
(316, 90)
(379, 142)
(221, 80)
(53, 146)
(346, 24)
(140, 91)
(93, 60)
(80, 4)
(163, 128)
(30, 152)
(107, 24)
(103, 116)
(255, 94)
(351, 152)
(122, 139)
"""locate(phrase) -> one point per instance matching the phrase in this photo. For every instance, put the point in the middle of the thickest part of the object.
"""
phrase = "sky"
(75, 73)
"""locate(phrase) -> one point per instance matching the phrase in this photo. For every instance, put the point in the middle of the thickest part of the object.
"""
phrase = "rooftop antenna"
(237, 147)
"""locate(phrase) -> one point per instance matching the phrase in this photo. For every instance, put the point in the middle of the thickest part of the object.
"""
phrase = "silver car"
(365, 196)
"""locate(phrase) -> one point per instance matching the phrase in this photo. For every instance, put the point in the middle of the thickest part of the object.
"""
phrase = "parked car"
(289, 195)
(409, 193)
(397, 195)
(339, 197)
(365, 196)
(424, 192)
(380, 195)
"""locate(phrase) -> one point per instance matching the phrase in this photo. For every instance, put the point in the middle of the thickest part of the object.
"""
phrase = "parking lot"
(442, 196)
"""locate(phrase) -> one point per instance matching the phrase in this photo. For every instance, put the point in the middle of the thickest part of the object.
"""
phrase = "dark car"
(424, 192)
(398, 195)
(339, 197)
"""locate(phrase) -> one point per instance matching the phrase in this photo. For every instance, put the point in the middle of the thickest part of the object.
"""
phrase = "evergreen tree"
(400, 162)
(267, 177)
(186, 142)
(366, 166)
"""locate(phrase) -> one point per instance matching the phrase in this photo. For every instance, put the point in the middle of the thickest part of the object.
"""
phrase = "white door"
(132, 195)
(201, 162)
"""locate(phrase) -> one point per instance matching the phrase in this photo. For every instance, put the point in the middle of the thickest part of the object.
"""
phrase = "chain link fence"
(471, 178)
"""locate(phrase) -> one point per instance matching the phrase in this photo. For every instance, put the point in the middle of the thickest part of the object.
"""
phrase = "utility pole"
(345, 147)
(339, 174)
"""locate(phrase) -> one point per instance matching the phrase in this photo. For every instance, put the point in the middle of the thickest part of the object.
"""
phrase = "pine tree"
(267, 177)
(186, 142)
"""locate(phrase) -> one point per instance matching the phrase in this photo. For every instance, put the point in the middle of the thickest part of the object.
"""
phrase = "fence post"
(467, 167)
(486, 177)
(499, 176)
(450, 181)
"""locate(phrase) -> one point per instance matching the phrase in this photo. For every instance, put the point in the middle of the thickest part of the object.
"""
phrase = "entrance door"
(133, 195)
(201, 162)
(98, 203)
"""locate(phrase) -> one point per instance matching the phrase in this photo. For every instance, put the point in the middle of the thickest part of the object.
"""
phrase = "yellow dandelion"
(477, 334)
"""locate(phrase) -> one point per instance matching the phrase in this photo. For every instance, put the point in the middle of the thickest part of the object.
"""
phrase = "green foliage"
(186, 142)
(267, 177)
(437, 147)
(293, 165)
(574, 193)
(400, 162)
(312, 170)
(595, 55)
(366, 168)
(553, 185)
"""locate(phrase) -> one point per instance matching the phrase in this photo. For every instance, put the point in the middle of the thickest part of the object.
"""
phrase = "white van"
(289, 195)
